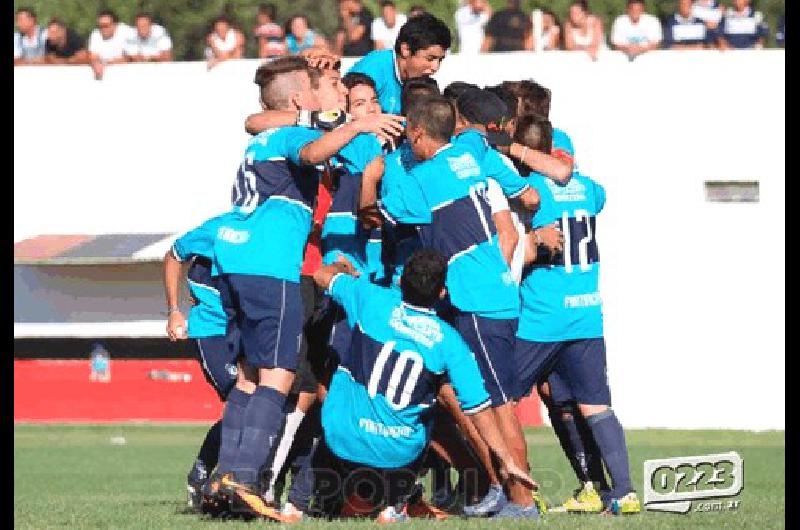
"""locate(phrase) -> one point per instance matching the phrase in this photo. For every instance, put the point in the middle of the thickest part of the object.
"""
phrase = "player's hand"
(176, 326)
(510, 471)
(551, 237)
(381, 124)
(346, 266)
(322, 59)
(370, 216)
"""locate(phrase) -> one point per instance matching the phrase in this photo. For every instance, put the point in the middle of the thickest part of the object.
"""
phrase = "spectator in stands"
(108, 42)
(471, 19)
(300, 37)
(386, 27)
(29, 41)
(354, 36)
(684, 31)
(508, 30)
(709, 11)
(268, 34)
(780, 35)
(636, 32)
(416, 10)
(151, 43)
(547, 32)
(63, 45)
(224, 42)
(583, 30)
(742, 27)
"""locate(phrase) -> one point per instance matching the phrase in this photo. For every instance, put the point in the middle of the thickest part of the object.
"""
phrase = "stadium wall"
(693, 290)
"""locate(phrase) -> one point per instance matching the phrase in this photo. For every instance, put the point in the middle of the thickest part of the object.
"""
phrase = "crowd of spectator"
(696, 24)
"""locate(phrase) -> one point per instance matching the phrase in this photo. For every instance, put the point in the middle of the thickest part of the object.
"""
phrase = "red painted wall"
(49, 390)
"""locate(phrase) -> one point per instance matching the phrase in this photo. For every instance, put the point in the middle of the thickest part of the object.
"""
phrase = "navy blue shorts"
(492, 342)
(218, 360)
(268, 313)
(560, 392)
(580, 363)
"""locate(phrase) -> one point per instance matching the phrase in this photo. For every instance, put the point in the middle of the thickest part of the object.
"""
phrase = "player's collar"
(442, 148)
(418, 308)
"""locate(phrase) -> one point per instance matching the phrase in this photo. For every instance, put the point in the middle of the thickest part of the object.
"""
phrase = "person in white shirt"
(636, 32)
(223, 43)
(108, 42)
(709, 11)
(471, 19)
(151, 42)
(29, 41)
(386, 27)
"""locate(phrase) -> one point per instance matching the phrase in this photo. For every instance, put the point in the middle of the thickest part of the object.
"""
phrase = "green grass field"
(73, 476)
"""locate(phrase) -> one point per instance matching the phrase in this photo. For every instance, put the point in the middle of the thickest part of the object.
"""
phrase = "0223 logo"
(671, 484)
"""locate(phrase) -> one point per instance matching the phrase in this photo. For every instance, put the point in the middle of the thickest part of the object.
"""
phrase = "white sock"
(293, 420)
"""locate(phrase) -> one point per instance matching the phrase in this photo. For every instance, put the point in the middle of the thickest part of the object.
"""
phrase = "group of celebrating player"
(400, 266)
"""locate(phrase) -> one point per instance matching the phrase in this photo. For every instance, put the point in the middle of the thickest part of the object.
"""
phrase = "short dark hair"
(422, 32)
(415, 87)
(418, 9)
(108, 13)
(508, 98)
(534, 131)
(635, 2)
(222, 18)
(29, 10)
(287, 28)
(456, 88)
(353, 79)
(435, 114)
(533, 97)
(143, 14)
(57, 22)
(387, 3)
(423, 278)
(268, 9)
(267, 73)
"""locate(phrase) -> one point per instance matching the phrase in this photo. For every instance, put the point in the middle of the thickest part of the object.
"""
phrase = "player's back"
(560, 300)
(377, 411)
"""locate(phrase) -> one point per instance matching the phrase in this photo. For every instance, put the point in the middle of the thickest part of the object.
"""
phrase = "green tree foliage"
(188, 21)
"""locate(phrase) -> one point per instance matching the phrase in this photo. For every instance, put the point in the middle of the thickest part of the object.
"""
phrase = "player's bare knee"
(591, 410)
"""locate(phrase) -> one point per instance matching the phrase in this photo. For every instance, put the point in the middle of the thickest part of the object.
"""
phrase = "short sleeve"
(197, 242)
(164, 43)
(599, 196)
(361, 150)
(495, 197)
(351, 293)
(291, 140)
(617, 37)
(465, 376)
(501, 169)
(17, 46)
(94, 41)
(405, 201)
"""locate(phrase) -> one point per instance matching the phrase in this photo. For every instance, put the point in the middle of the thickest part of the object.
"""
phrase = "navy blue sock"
(593, 460)
(568, 436)
(263, 422)
(232, 423)
(209, 451)
(610, 440)
(303, 476)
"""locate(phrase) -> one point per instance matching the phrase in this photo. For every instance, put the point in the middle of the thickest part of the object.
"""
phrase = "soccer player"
(259, 253)
(419, 50)
(375, 417)
(206, 327)
(445, 195)
(561, 326)
(535, 132)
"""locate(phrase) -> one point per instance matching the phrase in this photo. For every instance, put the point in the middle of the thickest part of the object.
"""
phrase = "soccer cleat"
(194, 497)
(585, 500)
(629, 504)
(245, 499)
(539, 502)
(444, 499)
(291, 513)
(516, 511)
(391, 515)
(494, 501)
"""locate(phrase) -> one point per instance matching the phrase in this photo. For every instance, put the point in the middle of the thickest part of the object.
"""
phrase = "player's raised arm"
(331, 143)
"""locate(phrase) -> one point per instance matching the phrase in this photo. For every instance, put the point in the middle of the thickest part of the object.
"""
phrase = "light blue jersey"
(273, 196)
(400, 239)
(446, 196)
(342, 234)
(561, 301)
(562, 147)
(206, 317)
(378, 409)
(381, 66)
(495, 165)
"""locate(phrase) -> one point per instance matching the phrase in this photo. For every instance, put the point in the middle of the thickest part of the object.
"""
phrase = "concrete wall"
(693, 291)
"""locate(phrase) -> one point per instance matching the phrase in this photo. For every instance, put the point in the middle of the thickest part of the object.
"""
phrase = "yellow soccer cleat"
(540, 503)
(585, 500)
(629, 504)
